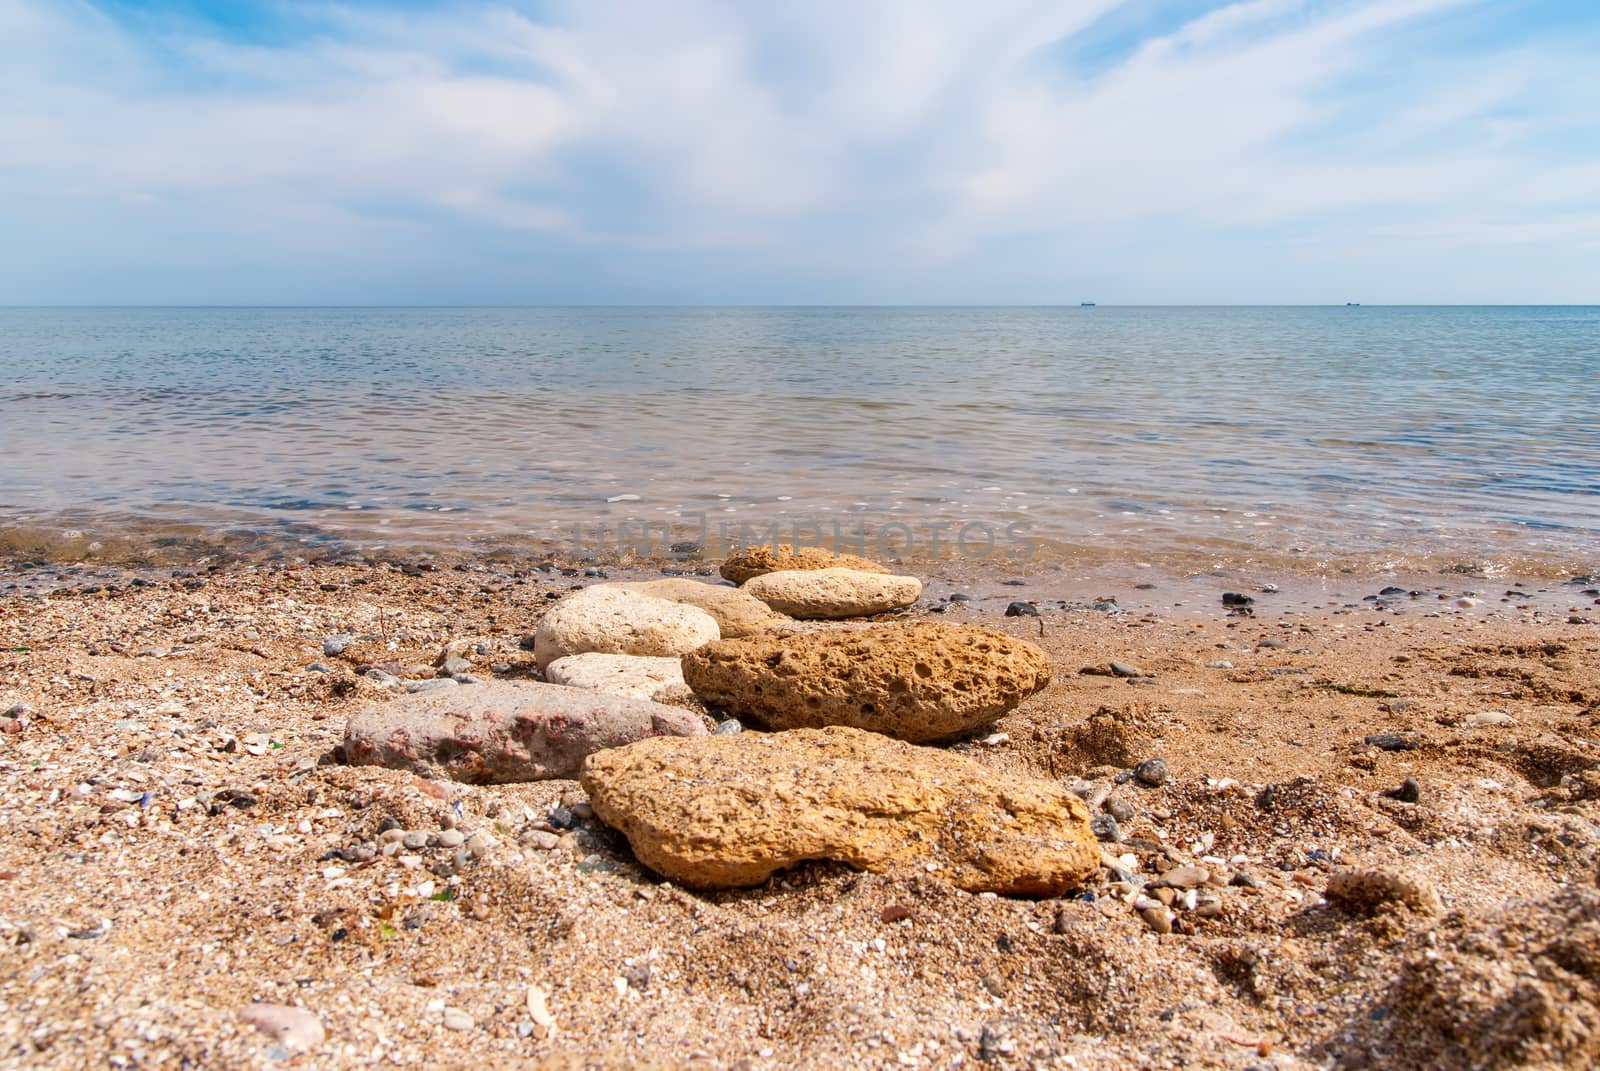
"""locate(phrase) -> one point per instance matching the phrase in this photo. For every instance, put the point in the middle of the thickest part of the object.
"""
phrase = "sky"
(867, 152)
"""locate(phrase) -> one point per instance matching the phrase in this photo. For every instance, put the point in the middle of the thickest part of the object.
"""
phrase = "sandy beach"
(183, 840)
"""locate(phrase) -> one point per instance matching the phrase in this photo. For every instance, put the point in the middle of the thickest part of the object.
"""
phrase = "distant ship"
(1352, 304)
(1085, 304)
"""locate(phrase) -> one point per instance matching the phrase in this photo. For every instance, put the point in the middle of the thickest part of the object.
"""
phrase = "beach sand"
(174, 811)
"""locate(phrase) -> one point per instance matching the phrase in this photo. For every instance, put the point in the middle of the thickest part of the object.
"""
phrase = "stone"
(919, 682)
(433, 684)
(728, 811)
(1183, 877)
(1365, 892)
(505, 731)
(1152, 772)
(1106, 829)
(1488, 719)
(638, 676)
(293, 1028)
(1022, 609)
(456, 1019)
(1236, 599)
(738, 612)
(335, 645)
(1127, 669)
(830, 594)
(1410, 791)
(1395, 741)
(754, 561)
(609, 619)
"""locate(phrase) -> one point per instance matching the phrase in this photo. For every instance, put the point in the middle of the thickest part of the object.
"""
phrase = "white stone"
(637, 676)
(833, 593)
(613, 620)
(294, 1028)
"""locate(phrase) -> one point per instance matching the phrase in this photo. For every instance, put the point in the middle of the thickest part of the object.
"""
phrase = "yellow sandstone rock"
(920, 682)
(725, 811)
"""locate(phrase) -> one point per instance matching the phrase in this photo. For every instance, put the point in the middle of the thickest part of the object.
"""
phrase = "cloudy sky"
(766, 151)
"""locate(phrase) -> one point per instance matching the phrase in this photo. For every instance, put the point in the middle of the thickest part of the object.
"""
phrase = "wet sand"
(178, 824)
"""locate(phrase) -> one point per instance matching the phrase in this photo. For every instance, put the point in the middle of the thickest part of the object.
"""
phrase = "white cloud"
(825, 136)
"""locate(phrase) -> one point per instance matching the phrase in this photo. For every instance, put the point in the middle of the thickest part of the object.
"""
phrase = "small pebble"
(1120, 809)
(434, 685)
(1106, 829)
(335, 645)
(452, 838)
(414, 839)
(293, 1028)
(732, 725)
(1152, 772)
(456, 1019)
(1022, 609)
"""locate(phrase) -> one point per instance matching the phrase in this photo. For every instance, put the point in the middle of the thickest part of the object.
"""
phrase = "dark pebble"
(1125, 669)
(562, 818)
(1395, 741)
(1409, 791)
(1022, 609)
(1152, 772)
(1106, 829)
(1234, 598)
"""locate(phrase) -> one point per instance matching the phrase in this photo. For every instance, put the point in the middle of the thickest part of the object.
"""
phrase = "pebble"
(1395, 741)
(1410, 791)
(415, 839)
(437, 684)
(1126, 669)
(1022, 609)
(1184, 877)
(1234, 598)
(1157, 916)
(319, 667)
(293, 1028)
(1120, 809)
(335, 645)
(538, 838)
(452, 838)
(1488, 718)
(1105, 829)
(1221, 663)
(453, 666)
(456, 1019)
(732, 725)
(1152, 772)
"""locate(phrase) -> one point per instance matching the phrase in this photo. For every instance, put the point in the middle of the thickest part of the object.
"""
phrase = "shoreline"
(174, 803)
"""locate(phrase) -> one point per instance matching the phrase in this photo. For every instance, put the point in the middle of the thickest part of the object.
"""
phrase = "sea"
(1295, 438)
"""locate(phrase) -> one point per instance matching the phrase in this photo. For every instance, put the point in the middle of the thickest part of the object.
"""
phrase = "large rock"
(919, 682)
(834, 593)
(611, 619)
(637, 676)
(491, 734)
(723, 811)
(738, 613)
(754, 561)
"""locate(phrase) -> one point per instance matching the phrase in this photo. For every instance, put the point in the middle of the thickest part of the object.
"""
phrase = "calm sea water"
(1293, 434)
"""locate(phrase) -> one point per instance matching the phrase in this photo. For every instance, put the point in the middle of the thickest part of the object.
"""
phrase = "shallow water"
(1390, 436)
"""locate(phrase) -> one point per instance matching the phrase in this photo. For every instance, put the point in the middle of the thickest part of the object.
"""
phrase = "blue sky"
(889, 151)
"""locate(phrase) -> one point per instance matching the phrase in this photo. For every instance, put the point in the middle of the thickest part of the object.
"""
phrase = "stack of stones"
(848, 769)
